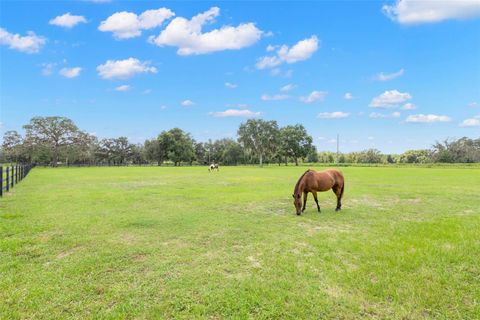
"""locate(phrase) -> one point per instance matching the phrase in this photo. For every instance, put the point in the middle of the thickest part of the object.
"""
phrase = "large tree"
(178, 146)
(259, 136)
(12, 146)
(295, 142)
(53, 132)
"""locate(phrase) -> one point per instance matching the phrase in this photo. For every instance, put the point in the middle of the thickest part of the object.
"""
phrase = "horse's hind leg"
(316, 200)
(304, 200)
(339, 193)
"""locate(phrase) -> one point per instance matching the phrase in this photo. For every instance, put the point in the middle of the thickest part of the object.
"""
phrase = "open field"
(154, 242)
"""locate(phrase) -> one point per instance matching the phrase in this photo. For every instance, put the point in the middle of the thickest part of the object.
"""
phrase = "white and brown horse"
(213, 166)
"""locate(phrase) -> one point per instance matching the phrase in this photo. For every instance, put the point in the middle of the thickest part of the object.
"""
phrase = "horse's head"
(297, 202)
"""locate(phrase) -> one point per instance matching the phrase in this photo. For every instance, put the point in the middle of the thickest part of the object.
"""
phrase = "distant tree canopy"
(259, 137)
(57, 140)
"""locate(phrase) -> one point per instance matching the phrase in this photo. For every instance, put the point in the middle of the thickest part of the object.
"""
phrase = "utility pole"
(338, 141)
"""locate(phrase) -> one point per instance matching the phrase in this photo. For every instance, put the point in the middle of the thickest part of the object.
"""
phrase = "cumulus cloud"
(70, 72)
(333, 115)
(377, 115)
(123, 88)
(348, 96)
(230, 85)
(245, 113)
(288, 87)
(389, 99)
(417, 12)
(275, 97)
(314, 96)
(125, 25)
(471, 122)
(187, 103)
(31, 43)
(427, 118)
(188, 37)
(124, 69)
(300, 51)
(389, 76)
(67, 20)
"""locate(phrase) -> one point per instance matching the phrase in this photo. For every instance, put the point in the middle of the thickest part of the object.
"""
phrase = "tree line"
(58, 141)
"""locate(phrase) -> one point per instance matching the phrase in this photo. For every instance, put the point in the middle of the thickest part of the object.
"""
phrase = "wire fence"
(11, 175)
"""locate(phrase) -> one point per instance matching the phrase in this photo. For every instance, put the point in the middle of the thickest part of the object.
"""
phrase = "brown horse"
(314, 181)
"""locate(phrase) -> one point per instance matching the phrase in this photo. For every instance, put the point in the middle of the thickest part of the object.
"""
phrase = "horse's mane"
(298, 182)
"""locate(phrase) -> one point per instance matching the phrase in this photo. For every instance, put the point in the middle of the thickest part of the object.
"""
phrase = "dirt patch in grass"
(66, 253)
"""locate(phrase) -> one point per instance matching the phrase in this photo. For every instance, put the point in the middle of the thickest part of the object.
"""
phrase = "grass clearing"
(150, 242)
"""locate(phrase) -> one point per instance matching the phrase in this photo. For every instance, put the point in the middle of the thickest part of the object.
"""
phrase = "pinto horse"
(213, 166)
(314, 181)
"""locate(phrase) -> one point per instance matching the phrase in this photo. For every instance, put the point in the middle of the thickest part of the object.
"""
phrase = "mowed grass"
(184, 243)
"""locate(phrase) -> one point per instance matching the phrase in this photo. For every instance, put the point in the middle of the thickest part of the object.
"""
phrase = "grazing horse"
(213, 166)
(313, 181)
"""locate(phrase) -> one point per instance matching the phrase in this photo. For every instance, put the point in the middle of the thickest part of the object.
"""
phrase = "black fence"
(11, 175)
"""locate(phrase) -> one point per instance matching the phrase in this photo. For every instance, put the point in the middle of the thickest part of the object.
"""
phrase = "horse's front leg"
(304, 200)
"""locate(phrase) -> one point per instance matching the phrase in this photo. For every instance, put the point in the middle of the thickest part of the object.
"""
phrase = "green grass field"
(183, 243)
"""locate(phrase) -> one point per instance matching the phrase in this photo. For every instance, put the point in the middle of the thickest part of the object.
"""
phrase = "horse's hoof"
(338, 209)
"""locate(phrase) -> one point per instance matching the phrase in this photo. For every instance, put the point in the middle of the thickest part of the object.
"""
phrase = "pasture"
(154, 242)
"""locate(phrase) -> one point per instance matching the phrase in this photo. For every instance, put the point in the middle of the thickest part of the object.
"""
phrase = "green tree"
(260, 137)
(52, 132)
(12, 146)
(295, 142)
(178, 146)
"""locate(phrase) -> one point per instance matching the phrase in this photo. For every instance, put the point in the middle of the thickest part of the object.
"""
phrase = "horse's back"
(334, 175)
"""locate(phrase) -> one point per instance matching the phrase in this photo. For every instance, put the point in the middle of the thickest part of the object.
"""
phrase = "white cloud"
(48, 68)
(67, 20)
(300, 51)
(288, 87)
(348, 96)
(471, 122)
(427, 118)
(271, 48)
(146, 91)
(123, 88)
(188, 37)
(390, 99)
(409, 106)
(416, 12)
(70, 72)
(314, 96)
(235, 113)
(376, 115)
(125, 25)
(230, 85)
(333, 115)
(473, 104)
(187, 103)
(276, 97)
(31, 43)
(370, 138)
(124, 69)
(389, 76)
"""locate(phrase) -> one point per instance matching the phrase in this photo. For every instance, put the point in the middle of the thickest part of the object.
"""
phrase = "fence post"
(16, 173)
(1, 181)
(12, 178)
(8, 181)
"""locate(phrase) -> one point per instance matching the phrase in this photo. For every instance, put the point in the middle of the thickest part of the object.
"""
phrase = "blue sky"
(383, 74)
